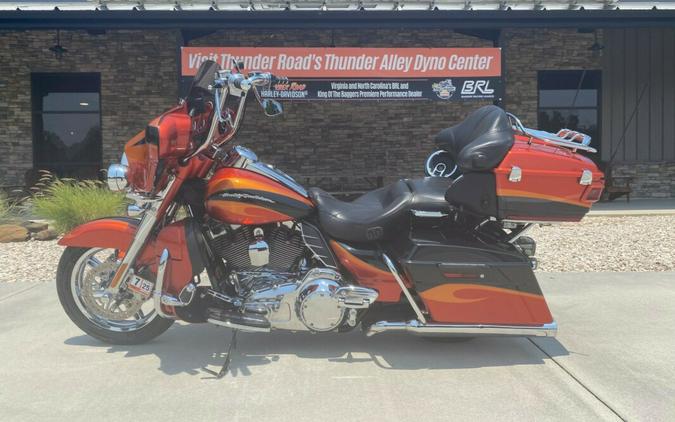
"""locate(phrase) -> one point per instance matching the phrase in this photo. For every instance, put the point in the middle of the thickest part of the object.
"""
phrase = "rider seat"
(381, 213)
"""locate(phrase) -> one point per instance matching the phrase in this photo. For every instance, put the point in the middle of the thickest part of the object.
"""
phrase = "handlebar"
(255, 79)
(226, 83)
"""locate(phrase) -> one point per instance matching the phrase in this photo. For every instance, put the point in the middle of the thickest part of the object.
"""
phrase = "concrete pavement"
(612, 360)
(636, 207)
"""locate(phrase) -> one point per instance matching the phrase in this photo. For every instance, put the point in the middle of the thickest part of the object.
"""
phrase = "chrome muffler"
(417, 328)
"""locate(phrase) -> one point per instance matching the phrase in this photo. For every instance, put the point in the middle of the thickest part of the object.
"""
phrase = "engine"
(269, 266)
(277, 247)
(319, 301)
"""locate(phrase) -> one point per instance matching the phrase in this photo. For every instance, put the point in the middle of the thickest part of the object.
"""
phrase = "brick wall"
(138, 81)
(649, 180)
(531, 50)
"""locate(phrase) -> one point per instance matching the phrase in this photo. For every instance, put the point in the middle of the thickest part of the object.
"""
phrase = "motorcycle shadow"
(192, 349)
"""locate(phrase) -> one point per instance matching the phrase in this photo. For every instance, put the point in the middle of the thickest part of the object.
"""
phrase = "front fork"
(148, 222)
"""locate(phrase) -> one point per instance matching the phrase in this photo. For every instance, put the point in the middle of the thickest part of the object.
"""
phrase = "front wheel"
(81, 279)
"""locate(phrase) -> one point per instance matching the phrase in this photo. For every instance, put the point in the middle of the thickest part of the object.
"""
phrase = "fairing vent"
(317, 244)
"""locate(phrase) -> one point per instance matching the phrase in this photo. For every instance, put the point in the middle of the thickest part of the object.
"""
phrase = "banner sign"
(444, 74)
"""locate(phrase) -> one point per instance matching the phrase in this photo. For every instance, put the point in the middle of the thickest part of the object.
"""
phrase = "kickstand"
(226, 365)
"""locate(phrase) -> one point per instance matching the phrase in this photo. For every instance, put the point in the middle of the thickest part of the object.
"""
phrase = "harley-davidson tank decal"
(240, 196)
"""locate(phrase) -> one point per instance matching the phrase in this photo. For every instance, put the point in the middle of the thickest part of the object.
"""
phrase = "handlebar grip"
(278, 79)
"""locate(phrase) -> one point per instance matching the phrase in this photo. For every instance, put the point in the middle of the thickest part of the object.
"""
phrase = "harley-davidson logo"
(444, 89)
(230, 195)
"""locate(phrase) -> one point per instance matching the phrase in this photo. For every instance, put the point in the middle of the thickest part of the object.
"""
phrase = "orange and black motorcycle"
(443, 255)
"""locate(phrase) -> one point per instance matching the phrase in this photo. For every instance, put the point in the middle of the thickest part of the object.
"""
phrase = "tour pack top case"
(537, 181)
(518, 174)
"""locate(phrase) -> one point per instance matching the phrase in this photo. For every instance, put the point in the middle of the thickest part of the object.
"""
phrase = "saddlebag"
(465, 281)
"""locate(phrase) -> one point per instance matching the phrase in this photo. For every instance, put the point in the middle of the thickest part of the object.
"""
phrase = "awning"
(334, 14)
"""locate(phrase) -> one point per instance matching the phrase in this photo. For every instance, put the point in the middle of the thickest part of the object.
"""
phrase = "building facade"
(605, 75)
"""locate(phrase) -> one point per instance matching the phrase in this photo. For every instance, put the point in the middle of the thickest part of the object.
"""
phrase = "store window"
(570, 99)
(67, 123)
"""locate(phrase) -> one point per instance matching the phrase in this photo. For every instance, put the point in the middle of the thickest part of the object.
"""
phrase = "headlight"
(117, 177)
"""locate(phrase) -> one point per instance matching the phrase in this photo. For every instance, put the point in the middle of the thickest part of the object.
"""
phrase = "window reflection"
(570, 99)
(67, 123)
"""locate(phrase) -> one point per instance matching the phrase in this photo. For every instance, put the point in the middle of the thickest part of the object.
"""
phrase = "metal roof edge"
(200, 19)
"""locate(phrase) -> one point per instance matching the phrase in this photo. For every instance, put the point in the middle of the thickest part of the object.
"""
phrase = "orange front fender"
(111, 232)
(119, 232)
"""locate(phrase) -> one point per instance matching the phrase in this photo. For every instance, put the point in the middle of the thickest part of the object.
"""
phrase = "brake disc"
(122, 306)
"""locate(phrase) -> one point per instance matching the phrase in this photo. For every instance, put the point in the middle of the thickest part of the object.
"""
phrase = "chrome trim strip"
(418, 328)
(233, 326)
(429, 214)
(548, 223)
(159, 284)
(407, 294)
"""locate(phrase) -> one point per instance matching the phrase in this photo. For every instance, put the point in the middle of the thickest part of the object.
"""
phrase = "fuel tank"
(238, 196)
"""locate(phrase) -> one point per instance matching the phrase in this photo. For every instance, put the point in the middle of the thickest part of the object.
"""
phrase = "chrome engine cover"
(316, 305)
(316, 302)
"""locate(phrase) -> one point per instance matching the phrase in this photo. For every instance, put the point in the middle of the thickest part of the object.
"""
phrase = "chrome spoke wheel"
(123, 312)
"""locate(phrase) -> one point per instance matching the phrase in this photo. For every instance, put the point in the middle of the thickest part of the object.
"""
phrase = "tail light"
(593, 194)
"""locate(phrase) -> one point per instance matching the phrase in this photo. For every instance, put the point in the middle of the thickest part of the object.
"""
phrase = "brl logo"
(479, 86)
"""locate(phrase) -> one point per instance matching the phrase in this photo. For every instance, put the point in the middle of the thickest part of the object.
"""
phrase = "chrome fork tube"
(144, 228)
(148, 222)
(159, 284)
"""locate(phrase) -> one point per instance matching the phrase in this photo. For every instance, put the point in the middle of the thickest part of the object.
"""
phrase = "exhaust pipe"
(417, 328)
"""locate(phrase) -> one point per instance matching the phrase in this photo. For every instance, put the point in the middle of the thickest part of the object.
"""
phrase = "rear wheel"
(81, 279)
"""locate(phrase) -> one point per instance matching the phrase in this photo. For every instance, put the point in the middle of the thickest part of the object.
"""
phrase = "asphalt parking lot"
(613, 360)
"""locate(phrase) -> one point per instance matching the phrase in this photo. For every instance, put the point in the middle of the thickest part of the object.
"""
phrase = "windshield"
(199, 89)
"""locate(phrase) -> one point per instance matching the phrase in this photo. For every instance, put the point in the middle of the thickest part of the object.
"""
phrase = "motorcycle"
(444, 255)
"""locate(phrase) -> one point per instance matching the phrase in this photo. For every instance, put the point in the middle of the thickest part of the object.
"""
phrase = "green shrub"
(69, 203)
(5, 207)
(11, 209)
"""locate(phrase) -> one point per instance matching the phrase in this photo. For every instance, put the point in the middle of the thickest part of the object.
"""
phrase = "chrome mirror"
(271, 107)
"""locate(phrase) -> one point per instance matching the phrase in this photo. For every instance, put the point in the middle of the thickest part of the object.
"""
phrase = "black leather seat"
(480, 142)
(381, 213)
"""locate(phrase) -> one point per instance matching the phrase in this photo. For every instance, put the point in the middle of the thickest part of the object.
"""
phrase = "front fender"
(110, 232)
(119, 232)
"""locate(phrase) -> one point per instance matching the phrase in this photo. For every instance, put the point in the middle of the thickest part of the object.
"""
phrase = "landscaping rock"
(47, 234)
(35, 227)
(13, 233)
